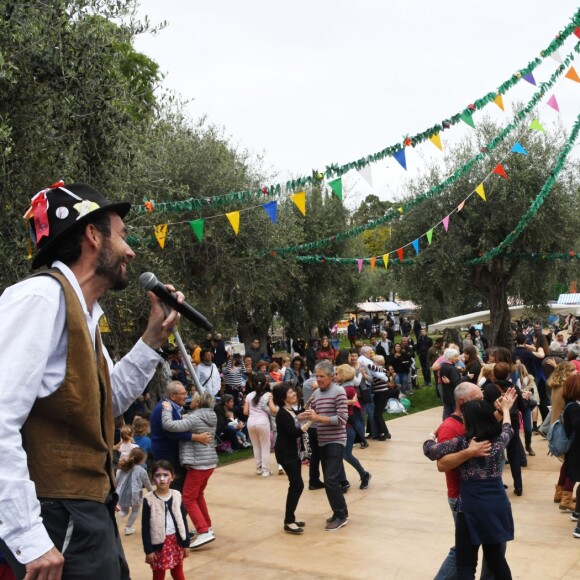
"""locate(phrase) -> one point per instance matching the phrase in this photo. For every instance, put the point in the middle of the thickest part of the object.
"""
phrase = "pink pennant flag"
(359, 261)
(446, 222)
(552, 102)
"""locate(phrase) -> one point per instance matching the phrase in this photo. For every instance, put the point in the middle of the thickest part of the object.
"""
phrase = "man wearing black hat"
(60, 392)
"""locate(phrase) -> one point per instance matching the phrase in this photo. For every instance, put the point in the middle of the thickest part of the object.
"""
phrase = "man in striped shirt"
(329, 409)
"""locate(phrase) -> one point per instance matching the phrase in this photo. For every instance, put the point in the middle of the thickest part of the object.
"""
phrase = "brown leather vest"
(68, 436)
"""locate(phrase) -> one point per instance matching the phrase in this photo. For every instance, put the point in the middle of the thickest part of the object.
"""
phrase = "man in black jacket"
(424, 343)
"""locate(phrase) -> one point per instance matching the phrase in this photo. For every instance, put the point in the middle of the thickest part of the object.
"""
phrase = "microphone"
(148, 281)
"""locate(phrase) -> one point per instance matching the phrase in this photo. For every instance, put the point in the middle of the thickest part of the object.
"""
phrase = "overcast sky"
(312, 82)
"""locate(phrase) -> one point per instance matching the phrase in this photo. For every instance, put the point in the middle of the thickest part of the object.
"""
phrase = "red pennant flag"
(499, 170)
(400, 254)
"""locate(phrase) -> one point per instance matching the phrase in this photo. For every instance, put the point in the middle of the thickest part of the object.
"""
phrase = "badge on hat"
(85, 207)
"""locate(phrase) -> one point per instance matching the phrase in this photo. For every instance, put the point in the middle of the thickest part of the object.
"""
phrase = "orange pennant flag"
(373, 262)
(499, 170)
(234, 219)
(386, 260)
(400, 254)
(436, 140)
(160, 233)
(572, 75)
(480, 191)
(499, 102)
(461, 206)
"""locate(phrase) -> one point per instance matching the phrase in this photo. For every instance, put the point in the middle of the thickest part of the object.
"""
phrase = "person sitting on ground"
(224, 431)
(236, 424)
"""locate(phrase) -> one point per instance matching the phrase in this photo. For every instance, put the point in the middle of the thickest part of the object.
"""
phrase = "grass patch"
(421, 400)
(240, 455)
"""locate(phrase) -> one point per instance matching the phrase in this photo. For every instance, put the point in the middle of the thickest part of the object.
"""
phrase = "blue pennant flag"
(400, 157)
(416, 246)
(271, 209)
(517, 148)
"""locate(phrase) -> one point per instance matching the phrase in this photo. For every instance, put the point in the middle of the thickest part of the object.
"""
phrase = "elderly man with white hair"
(450, 378)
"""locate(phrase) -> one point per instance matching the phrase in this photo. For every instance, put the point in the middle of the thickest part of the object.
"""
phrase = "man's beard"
(110, 267)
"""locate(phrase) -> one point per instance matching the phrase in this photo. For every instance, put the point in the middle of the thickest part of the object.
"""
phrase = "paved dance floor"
(399, 528)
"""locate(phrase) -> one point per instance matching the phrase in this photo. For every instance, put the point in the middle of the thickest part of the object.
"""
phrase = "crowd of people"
(488, 397)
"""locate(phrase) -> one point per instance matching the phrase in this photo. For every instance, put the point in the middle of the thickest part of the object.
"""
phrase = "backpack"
(395, 406)
(558, 442)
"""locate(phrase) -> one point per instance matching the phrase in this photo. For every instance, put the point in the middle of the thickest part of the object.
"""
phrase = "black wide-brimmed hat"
(56, 211)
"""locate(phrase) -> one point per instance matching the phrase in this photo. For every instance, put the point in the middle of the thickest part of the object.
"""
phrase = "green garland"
(536, 204)
(457, 174)
(534, 256)
(334, 170)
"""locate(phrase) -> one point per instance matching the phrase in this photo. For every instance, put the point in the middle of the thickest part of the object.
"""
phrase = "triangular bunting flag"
(359, 261)
(518, 148)
(446, 222)
(460, 206)
(552, 102)
(416, 246)
(536, 125)
(386, 260)
(436, 140)
(557, 56)
(430, 235)
(480, 191)
(373, 263)
(299, 200)
(234, 219)
(400, 254)
(467, 117)
(572, 75)
(499, 102)
(271, 209)
(197, 227)
(367, 174)
(400, 209)
(400, 157)
(530, 78)
(160, 233)
(499, 170)
(336, 186)
(577, 31)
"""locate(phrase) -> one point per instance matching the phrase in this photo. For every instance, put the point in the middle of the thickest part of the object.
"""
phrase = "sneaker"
(259, 471)
(576, 532)
(266, 473)
(202, 539)
(246, 444)
(364, 480)
(337, 523)
(129, 531)
(574, 516)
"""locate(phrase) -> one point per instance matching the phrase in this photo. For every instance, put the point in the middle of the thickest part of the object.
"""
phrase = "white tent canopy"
(466, 320)
(385, 306)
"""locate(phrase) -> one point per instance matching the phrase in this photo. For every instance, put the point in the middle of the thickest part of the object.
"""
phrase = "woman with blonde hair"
(565, 486)
(530, 412)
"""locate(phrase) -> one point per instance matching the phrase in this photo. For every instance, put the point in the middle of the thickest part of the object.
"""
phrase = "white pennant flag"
(557, 56)
(367, 174)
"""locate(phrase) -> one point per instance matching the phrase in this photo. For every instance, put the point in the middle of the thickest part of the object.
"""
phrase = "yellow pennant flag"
(436, 140)
(386, 260)
(400, 209)
(299, 200)
(373, 262)
(499, 102)
(234, 218)
(160, 233)
(480, 191)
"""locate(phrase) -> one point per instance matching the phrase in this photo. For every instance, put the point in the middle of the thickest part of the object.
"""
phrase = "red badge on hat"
(39, 209)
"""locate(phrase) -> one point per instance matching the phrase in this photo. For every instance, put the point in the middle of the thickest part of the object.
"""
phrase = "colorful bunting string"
(457, 174)
(334, 170)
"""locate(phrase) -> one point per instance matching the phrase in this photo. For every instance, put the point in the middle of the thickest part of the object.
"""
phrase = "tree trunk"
(493, 284)
(248, 329)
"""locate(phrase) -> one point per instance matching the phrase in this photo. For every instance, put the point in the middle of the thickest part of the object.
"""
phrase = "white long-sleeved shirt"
(209, 378)
(33, 349)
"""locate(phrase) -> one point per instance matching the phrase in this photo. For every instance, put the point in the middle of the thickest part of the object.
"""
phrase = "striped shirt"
(233, 376)
(331, 403)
